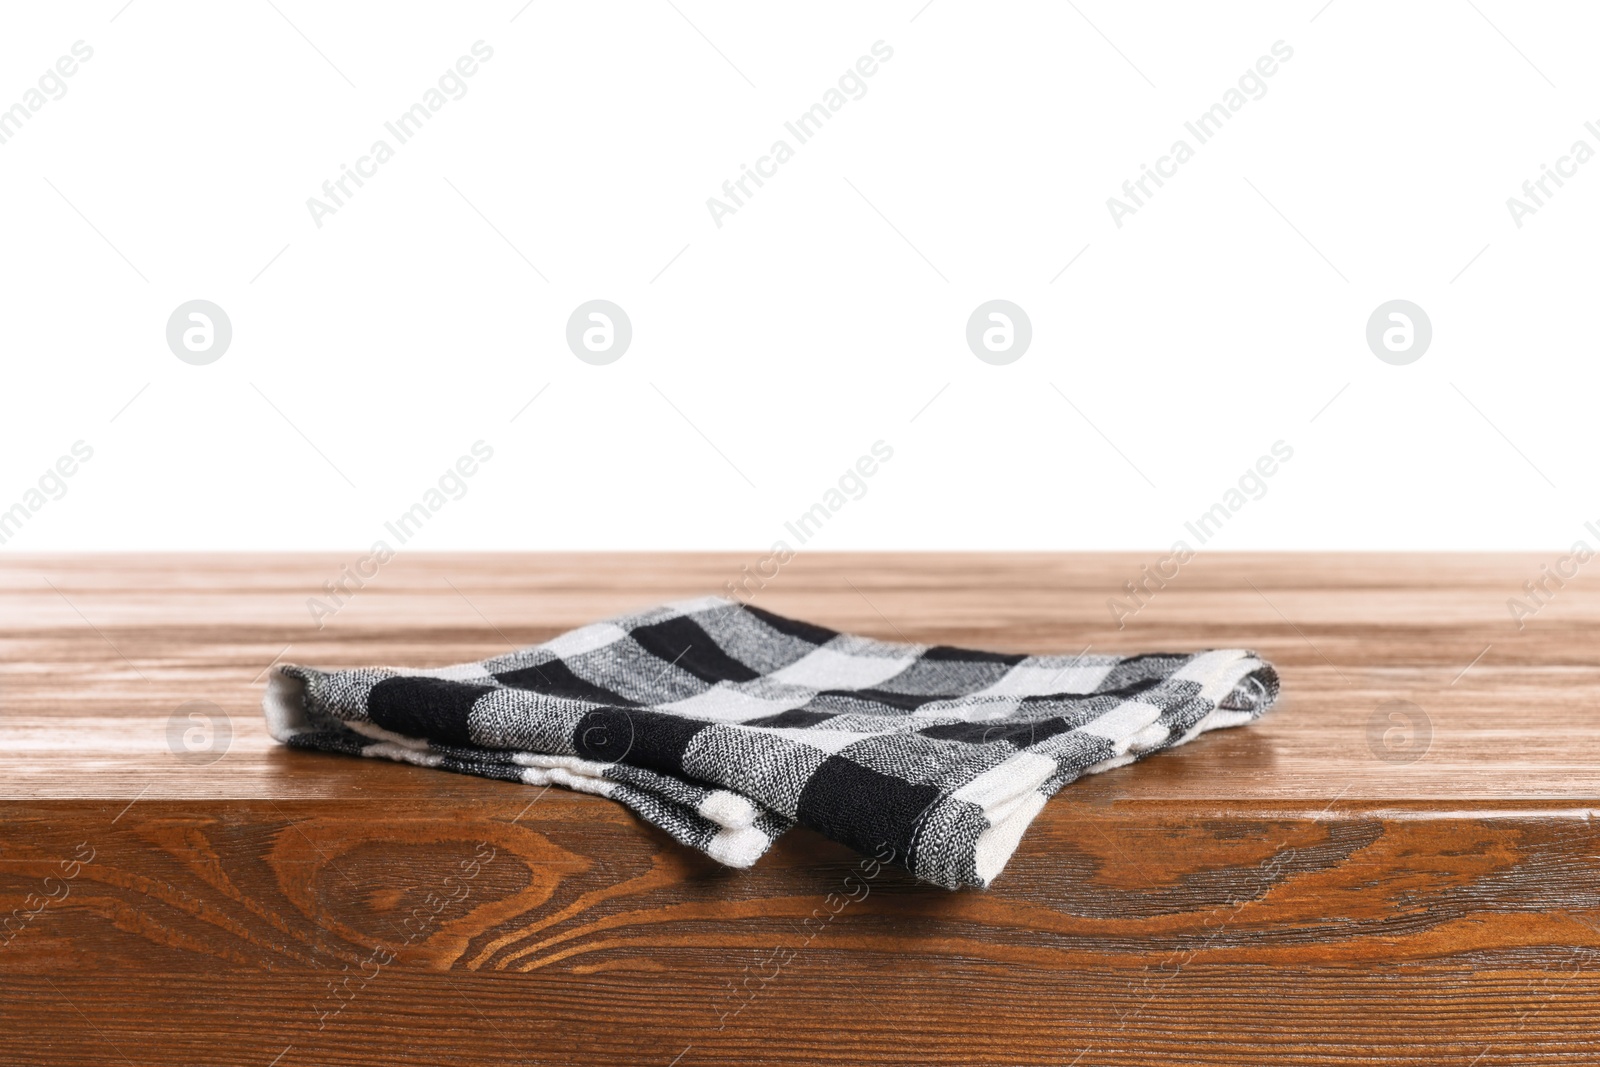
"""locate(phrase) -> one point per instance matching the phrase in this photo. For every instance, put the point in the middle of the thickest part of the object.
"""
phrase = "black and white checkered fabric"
(724, 725)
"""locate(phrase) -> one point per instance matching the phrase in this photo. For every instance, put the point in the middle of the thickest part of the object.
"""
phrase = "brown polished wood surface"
(1345, 881)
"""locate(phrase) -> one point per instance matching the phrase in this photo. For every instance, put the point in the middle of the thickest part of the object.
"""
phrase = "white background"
(1225, 315)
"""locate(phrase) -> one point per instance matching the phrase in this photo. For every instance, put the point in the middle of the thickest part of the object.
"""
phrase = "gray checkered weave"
(724, 725)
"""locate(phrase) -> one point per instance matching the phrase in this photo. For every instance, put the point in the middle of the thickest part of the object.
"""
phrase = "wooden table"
(1347, 880)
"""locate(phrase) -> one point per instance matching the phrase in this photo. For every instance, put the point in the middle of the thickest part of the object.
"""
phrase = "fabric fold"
(725, 724)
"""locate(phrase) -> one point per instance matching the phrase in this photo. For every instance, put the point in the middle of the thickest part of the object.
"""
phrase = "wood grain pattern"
(1328, 885)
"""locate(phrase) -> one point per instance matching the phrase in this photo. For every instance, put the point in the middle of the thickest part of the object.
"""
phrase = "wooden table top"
(99, 652)
(1418, 806)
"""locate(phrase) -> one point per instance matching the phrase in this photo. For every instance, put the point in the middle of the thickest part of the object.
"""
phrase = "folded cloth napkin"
(724, 725)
